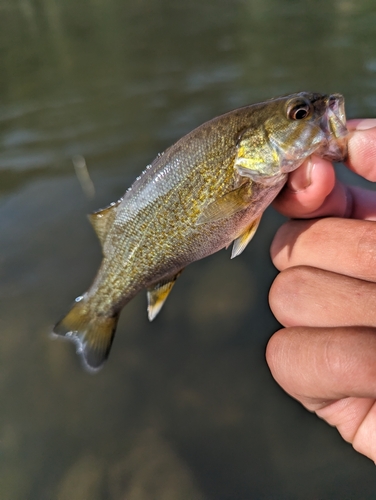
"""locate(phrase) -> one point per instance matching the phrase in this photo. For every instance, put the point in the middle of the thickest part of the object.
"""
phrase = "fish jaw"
(333, 124)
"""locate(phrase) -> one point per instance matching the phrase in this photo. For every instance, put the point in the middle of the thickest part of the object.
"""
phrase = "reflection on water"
(185, 408)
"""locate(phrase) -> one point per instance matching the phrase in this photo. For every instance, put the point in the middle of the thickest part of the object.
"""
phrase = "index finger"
(338, 245)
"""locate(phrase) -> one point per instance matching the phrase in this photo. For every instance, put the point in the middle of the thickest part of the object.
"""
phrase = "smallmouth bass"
(206, 191)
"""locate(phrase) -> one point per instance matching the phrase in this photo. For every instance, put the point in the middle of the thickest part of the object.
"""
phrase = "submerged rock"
(153, 470)
(83, 480)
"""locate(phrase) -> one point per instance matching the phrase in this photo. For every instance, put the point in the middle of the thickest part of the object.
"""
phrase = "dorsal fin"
(102, 220)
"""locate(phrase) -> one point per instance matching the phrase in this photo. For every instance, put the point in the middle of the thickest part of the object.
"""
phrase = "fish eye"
(299, 111)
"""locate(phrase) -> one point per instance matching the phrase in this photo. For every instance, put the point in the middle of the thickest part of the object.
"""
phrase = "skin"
(326, 285)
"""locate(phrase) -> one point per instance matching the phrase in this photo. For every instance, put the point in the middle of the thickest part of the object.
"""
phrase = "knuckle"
(365, 253)
(284, 293)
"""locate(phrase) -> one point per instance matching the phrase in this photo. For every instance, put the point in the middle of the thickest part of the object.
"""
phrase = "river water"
(185, 408)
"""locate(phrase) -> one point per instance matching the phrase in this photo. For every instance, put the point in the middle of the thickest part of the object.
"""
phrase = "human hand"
(325, 294)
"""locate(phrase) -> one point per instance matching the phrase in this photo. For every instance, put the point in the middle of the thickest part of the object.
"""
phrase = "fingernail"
(366, 124)
(301, 178)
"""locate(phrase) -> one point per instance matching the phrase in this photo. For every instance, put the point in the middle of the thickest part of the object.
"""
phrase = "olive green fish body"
(156, 234)
(206, 191)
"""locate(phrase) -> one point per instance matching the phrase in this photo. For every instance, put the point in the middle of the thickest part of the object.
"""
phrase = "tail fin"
(93, 334)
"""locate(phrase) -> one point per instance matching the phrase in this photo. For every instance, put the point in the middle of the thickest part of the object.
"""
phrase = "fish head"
(290, 129)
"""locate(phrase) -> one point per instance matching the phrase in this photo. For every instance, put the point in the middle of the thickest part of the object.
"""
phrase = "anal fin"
(158, 294)
(242, 241)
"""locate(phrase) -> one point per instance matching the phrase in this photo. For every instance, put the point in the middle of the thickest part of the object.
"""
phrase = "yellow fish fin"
(102, 220)
(158, 294)
(93, 334)
(242, 241)
(228, 205)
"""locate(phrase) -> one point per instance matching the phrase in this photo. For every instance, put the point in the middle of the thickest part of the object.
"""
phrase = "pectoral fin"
(228, 205)
(158, 295)
(103, 219)
(242, 241)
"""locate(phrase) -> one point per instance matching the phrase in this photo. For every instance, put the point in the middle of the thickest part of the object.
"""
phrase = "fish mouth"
(333, 124)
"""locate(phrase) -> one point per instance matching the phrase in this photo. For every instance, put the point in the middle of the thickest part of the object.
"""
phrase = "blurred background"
(185, 407)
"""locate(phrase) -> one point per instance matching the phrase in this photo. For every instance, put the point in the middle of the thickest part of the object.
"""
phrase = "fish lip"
(334, 119)
(336, 103)
(333, 124)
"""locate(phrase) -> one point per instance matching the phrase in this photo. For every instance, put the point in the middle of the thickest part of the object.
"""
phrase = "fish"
(203, 193)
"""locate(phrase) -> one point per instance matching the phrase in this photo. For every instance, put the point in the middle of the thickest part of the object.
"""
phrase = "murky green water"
(185, 408)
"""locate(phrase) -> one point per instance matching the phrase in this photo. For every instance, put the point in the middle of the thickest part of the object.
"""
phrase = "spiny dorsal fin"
(102, 220)
(242, 241)
(158, 295)
(228, 205)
